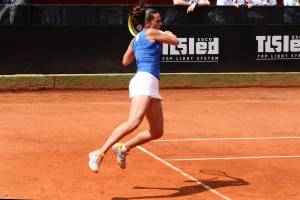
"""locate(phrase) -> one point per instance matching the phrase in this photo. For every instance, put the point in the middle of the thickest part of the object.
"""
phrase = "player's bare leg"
(154, 116)
(139, 106)
(156, 123)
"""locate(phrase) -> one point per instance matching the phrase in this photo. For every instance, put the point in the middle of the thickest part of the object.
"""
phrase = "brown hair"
(140, 13)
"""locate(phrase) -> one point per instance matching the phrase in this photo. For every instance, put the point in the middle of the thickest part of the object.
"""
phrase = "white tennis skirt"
(144, 83)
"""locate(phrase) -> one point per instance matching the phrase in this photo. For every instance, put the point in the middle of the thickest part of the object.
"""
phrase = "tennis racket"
(134, 29)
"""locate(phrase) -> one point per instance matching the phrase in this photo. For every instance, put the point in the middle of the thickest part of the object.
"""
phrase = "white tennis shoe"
(120, 151)
(95, 159)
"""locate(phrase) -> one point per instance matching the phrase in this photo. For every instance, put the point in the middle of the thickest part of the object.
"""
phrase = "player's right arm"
(129, 55)
(166, 37)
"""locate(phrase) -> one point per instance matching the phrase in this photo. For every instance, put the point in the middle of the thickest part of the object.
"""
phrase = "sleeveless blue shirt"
(147, 54)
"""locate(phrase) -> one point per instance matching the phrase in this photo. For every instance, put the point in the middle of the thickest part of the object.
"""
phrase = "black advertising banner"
(63, 49)
(234, 48)
(92, 39)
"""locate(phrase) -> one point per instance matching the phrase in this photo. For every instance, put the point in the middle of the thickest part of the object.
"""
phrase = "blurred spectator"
(235, 3)
(9, 8)
(4, 1)
(191, 4)
(19, 2)
(251, 3)
(291, 2)
(15, 2)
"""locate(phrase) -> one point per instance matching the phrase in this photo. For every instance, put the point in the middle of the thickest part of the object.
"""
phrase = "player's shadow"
(213, 183)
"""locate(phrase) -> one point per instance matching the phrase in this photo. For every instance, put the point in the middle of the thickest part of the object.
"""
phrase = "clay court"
(230, 143)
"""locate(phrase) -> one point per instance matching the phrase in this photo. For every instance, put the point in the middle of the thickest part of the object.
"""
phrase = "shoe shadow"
(213, 183)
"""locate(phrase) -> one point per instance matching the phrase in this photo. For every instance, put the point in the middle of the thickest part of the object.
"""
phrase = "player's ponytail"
(140, 13)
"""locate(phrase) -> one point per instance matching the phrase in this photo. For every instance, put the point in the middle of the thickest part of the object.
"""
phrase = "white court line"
(183, 173)
(229, 138)
(232, 158)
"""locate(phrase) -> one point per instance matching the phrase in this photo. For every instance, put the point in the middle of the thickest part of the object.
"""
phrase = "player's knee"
(158, 133)
(134, 123)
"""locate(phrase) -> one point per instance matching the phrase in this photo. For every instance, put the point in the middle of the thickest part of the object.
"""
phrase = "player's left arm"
(129, 55)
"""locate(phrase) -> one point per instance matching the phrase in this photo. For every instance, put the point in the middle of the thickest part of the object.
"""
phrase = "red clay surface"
(46, 136)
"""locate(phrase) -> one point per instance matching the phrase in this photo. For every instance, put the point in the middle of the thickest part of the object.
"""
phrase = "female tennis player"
(145, 48)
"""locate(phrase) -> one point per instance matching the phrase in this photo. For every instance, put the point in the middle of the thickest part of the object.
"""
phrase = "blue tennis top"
(147, 54)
